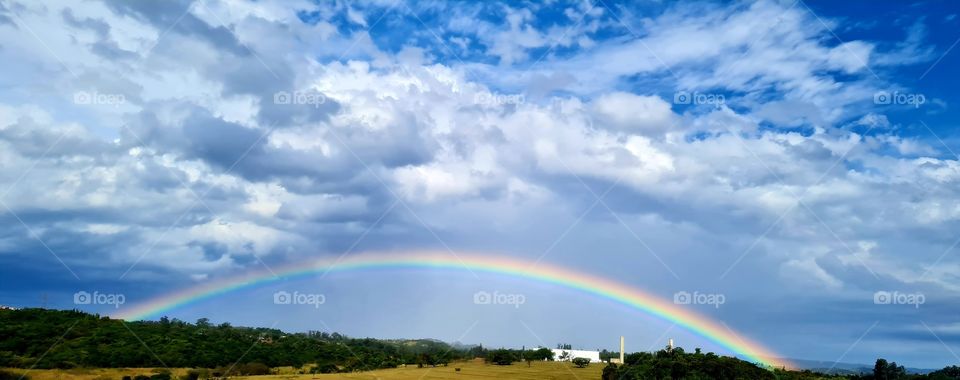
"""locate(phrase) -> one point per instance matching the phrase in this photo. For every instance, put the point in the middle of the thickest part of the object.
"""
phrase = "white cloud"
(633, 113)
(409, 125)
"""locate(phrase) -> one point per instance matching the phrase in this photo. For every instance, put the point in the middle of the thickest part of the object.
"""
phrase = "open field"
(468, 370)
(91, 373)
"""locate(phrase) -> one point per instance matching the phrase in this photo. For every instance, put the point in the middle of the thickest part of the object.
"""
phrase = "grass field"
(468, 370)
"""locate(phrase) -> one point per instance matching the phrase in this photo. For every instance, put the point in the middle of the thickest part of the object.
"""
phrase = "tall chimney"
(621, 349)
(670, 344)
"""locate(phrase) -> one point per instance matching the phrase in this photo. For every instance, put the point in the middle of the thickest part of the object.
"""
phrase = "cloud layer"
(738, 148)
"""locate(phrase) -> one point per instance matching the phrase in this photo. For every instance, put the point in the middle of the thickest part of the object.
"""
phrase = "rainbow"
(597, 286)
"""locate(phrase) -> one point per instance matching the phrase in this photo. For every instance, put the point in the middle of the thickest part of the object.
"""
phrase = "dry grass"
(92, 373)
(468, 370)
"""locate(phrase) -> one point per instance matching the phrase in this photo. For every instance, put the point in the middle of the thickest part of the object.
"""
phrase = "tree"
(501, 357)
(581, 362)
(95, 341)
(888, 371)
(542, 353)
(564, 355)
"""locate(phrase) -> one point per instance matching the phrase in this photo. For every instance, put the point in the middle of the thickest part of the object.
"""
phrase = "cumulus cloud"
(200, 169)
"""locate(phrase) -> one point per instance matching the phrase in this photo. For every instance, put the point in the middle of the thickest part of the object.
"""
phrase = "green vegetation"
(7, 375)
(884, 370)
(581, 362)
(77, 346)
(676, 364)
(539, 354)
(501, 357)
(77, 339)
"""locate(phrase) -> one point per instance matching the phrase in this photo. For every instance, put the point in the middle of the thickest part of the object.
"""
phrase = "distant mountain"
(840, 368)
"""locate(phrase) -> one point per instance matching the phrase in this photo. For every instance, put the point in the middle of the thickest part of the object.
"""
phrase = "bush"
(325, 368)
(8, 375)
(160, 376)
(501, 357)
(65, 365)
(609, 372)
(191, 375)
(581, 362)
(254, 369)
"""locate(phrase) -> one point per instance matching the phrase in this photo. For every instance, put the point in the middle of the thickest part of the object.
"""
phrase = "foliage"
(581, 362)
(675, 364)
(948, 373)
(501, 357)
(94, 341)
(77, 339)
(539, 354)
(7, 375)
(888, 371)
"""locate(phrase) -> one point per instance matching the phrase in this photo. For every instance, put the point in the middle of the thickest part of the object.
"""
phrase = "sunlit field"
(474, 369)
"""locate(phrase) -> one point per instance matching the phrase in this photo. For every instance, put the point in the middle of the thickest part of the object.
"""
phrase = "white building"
(594, 356)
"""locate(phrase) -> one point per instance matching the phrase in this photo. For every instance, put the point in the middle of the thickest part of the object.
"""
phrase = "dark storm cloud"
(219, 142)
(58, 238)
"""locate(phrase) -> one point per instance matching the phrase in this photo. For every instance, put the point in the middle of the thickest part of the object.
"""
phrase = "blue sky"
(796, 157)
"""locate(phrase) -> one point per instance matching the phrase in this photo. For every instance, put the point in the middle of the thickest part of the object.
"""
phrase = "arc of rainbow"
(590, 284)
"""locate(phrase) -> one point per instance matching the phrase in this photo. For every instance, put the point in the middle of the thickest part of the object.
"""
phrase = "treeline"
(884, 370)
(40, 338)
(77, 339)
(674, 363)
(677, 364)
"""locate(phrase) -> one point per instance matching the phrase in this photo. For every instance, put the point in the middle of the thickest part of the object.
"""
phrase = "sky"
(796, 159)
